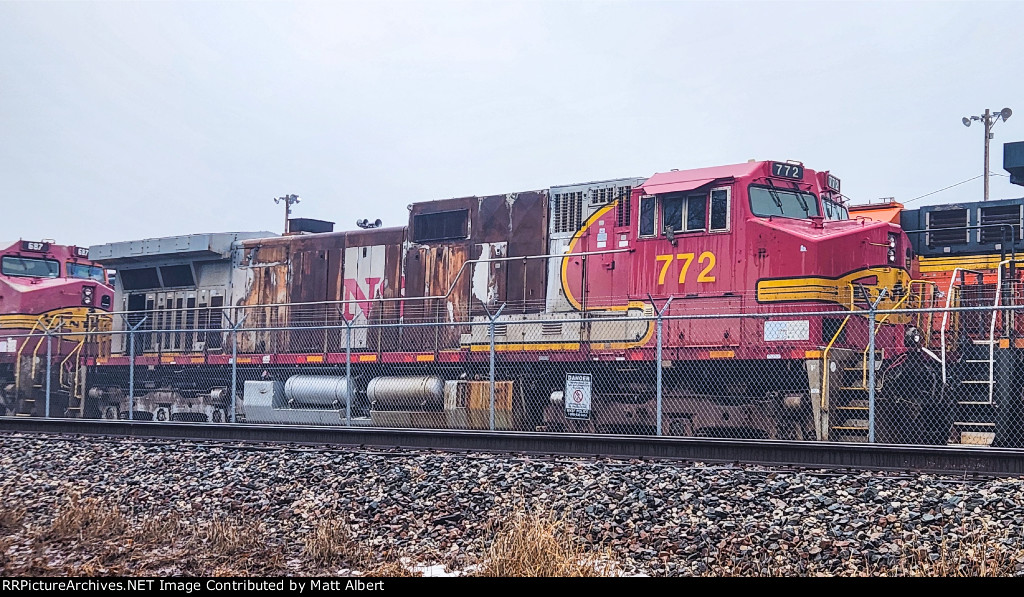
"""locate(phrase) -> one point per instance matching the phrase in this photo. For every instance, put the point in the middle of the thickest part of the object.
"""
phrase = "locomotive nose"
(842, 262)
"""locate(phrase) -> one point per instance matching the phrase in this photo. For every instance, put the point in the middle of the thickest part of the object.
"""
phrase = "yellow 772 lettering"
(705, 275)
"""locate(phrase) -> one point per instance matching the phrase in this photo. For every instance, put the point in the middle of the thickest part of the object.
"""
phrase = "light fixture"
(989, 118)
(288, 200)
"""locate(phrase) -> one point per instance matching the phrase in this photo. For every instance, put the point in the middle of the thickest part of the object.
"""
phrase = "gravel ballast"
(439, 510)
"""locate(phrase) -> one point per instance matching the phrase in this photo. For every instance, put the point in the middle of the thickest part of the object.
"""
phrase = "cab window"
(685, 213)
(29, 267)
(767, 201)
(85, 271)
(835, 211)
(648, 213)
(719, 209)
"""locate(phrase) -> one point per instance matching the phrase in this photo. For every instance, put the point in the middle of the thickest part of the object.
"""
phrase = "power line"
(944, 188)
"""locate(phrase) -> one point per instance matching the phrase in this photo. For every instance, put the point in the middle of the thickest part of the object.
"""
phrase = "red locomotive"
(396, 326)
(55, 291)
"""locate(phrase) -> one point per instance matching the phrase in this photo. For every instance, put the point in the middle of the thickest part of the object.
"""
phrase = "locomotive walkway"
(969, 461)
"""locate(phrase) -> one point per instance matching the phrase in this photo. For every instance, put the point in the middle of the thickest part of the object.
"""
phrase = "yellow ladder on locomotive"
(846, 397)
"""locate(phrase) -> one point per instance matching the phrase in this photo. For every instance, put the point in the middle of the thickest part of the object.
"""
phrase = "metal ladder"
(972, 427)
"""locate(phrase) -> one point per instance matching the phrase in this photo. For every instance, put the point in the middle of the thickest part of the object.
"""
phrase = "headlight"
(87, 295)
(892, 255)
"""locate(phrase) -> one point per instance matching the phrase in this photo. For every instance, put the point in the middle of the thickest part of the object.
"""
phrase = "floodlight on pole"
(989, 118)
(288, 201)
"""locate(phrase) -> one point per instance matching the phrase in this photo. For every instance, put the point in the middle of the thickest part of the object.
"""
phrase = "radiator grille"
(947, 227)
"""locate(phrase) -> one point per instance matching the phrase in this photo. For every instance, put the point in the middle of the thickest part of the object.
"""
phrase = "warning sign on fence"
(577, 396)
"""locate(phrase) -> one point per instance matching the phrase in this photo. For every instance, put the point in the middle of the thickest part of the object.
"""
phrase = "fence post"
(131, 363)
(493, 319)
(872, 307)
(658, 367)
(49, 361)
(348, 372)
(234, 365)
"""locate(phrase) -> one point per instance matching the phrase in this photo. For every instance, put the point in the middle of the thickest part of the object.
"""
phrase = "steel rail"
(958, 460)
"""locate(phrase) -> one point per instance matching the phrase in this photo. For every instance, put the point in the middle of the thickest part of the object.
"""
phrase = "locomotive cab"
(759, 237)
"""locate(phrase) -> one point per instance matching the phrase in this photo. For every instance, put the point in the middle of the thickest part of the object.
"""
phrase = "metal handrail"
(17, 358)
(930, 314)
(824, 354)
(74, 351)
(992, 333)
(864, 360)
(945, 316)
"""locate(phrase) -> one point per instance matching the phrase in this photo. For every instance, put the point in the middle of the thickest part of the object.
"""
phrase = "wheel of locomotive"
(913, 406)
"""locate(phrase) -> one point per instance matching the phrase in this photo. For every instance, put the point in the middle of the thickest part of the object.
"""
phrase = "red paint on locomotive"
(45, 286)
(735, 239)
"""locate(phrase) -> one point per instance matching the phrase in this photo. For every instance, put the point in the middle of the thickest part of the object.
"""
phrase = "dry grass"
(158, 529)
(90, 537)
(976, 554)
(331, 543)
(86, 519)
(540, 544)
(229, 537)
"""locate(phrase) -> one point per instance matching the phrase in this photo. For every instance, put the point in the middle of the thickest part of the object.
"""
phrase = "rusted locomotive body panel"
(317, 281)
(371, 288)
(287, 285)
(467, 256)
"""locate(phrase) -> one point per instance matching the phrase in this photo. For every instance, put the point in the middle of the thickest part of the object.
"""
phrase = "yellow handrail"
(864, 360)
(39, 345)
(824, 354)
(74, 351)
(17, 358)
(878, 326)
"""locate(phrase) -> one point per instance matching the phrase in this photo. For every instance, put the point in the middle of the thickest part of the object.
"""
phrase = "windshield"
(788, 203)
(28, 267)
(835, 211)
(86, 272)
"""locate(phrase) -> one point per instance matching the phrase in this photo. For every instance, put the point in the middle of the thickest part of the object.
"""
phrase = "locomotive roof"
(685, 180)
(190, 245)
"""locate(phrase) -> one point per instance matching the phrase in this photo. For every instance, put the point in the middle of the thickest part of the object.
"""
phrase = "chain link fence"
(926, 376)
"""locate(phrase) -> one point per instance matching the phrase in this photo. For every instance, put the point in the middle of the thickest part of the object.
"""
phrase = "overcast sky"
(130, 120)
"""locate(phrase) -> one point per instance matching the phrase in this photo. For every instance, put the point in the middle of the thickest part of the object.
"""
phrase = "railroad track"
(967, 461)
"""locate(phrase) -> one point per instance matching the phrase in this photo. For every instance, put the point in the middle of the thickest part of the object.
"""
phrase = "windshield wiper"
(800, 198)
(775, 197)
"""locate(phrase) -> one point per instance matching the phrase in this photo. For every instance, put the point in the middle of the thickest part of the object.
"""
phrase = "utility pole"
(989, 119)
(988, 137)
(288, 201)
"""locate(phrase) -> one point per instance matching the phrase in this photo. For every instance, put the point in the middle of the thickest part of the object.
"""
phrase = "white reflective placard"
(577, 396)
(798, 329)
